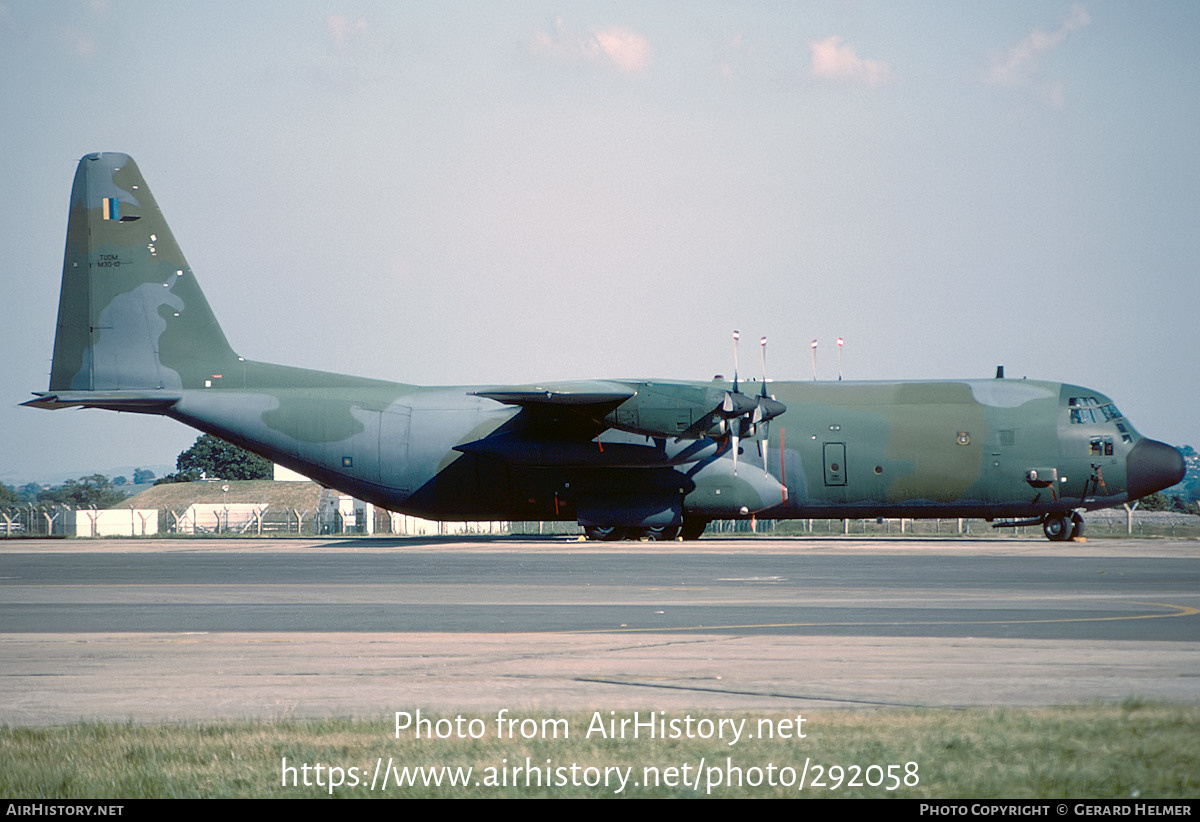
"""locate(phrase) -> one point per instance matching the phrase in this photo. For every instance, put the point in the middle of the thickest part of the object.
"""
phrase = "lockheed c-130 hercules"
(623, 458)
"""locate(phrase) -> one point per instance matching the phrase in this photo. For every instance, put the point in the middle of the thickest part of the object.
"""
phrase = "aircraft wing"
(661, 409)
(596, 393)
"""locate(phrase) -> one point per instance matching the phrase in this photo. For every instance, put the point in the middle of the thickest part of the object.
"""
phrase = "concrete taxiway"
(199, 629)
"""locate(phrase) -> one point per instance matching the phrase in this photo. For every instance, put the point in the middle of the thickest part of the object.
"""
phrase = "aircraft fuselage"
(986, 448)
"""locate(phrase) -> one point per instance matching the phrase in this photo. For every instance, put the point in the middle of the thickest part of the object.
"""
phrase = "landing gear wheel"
(604, 533)
(665, 533)
(1076, 525)
(1058, 528)
(693, 528)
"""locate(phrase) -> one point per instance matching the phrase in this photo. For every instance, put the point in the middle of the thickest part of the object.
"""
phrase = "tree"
(1155, 502)
(1191, 480)
(8, 497)
(214, 458)
(94, 491)
(142, 475)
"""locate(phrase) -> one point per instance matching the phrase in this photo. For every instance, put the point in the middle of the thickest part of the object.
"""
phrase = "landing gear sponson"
(1058, 527)
(691, 529)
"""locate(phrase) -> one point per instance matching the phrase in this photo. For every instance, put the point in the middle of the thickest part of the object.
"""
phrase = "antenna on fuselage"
(999, 372)
(841, 342)
(814, 359)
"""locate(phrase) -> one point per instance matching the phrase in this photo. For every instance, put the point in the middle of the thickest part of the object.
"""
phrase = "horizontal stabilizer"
(150, 402)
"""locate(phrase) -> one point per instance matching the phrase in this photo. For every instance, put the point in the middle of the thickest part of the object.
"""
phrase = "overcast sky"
(492, 192)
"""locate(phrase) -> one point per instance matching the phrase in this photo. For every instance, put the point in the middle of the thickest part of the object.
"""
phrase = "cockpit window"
(1089, 410)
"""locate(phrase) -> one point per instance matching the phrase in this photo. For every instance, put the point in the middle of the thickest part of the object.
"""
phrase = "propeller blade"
(762, 344)
(736, 337)
(759, 411)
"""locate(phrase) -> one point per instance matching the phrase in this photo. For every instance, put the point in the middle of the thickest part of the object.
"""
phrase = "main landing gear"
(613, 533)
(690, 529)
(1058, 527)
(1062, 527)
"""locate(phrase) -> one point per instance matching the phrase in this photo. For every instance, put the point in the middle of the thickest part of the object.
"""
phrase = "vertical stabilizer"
(130, 314)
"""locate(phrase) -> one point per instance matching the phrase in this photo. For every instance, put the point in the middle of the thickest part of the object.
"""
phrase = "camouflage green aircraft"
(624, 458)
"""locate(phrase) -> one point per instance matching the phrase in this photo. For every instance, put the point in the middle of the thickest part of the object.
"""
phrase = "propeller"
(741, 415)
(765, 409)
(736, 414)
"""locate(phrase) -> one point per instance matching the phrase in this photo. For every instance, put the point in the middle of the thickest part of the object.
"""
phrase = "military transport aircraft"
(624, 458)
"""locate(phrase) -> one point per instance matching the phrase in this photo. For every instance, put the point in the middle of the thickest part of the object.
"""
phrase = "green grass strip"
(1132, 750)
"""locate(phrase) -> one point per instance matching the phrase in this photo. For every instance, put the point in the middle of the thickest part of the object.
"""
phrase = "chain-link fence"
(332, 518)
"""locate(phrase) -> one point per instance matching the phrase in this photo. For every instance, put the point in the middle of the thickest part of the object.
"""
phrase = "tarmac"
(153, 630)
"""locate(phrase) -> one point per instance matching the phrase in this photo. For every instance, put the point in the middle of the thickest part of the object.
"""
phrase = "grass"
(1131, 750)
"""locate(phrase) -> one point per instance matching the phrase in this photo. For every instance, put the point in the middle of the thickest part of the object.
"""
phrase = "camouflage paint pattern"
(135, 333)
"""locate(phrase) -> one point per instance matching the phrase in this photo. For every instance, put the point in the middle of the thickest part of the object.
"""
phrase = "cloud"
(1019, 64)
(341, 29)
(836, 61)
(612, 47)
(628, 50)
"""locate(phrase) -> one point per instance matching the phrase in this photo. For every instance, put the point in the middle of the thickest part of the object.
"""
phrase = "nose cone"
(1152, 466)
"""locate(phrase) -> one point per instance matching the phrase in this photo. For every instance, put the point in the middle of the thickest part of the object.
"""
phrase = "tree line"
(209, 458)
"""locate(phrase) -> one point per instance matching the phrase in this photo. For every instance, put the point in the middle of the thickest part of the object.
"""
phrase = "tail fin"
(131, 316)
